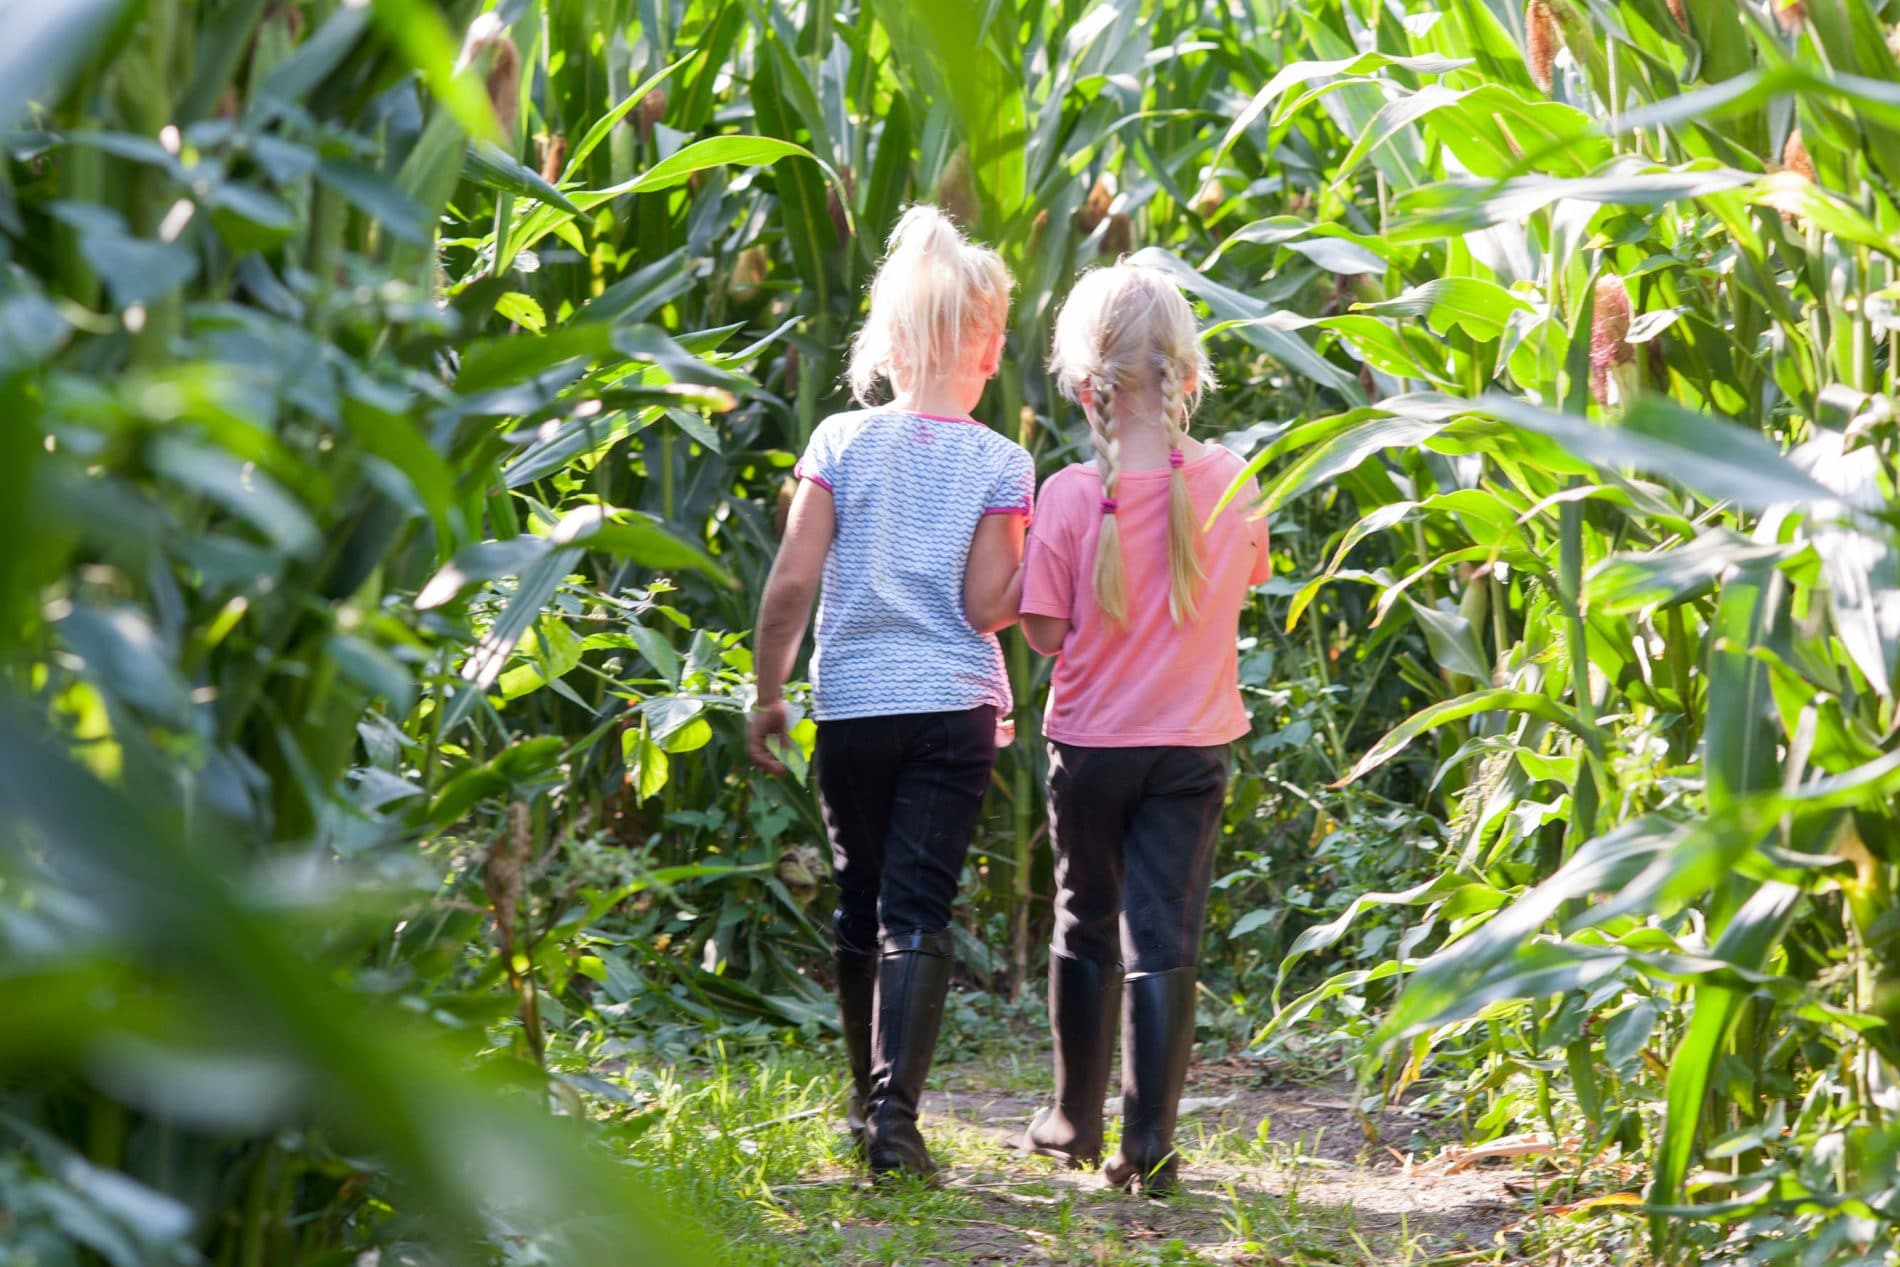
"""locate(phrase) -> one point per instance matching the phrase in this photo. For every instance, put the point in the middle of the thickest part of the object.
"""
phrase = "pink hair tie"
(1176, 459)
(1109, 505)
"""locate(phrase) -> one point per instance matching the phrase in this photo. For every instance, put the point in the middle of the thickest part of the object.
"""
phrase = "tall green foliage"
(1634, 456)
(391, 458)
(299, 513)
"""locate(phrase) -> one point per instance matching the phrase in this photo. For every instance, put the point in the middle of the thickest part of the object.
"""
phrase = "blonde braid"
(1109, 578)
(1185, 573)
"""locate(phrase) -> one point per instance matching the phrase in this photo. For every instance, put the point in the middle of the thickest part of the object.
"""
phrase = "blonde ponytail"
(936, 296)
(1130, 327)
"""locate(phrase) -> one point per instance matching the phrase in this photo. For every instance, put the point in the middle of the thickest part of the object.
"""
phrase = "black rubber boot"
(1157, 1039)
(913, 974)
(857, 992)
(1083, 998)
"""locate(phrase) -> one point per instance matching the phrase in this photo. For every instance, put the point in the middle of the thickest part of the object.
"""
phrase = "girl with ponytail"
(910, 517)
(1138, 593)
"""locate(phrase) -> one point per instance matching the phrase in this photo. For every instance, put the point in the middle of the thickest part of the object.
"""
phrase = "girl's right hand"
(767, 722)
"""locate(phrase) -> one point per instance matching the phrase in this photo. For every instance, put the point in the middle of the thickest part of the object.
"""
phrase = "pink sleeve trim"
(1026, 508)
(1042, 607)
(803, 472)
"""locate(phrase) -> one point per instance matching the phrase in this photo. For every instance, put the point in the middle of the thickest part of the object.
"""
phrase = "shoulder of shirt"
(1072, 480)
(1073, 485)
(1001, 445)
(838, 430)
(1227, 465)
(1225, 456)
(848, 420)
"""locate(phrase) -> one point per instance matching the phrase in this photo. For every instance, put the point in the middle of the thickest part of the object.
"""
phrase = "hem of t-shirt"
(1002, 707)
(1007, 510)
(1147, 738)
(1030, 607)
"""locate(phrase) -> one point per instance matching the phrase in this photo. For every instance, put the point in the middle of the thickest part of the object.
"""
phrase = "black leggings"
(1134, 832)
(901, 795)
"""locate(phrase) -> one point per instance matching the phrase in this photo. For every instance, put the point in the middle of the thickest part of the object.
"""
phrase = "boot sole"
(1144, 1182)
(1073, 1161)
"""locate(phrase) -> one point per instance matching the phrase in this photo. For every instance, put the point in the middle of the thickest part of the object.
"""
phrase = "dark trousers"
(1134, 832)
(901, 795)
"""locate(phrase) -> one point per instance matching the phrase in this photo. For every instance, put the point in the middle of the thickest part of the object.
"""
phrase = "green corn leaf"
(1480, 308)
(491, 166)
(599, 130)
(44, 48)
(719, 151)
(1495, 132)
(1388, 348)
(1345, 451)
(1487, 701)
(1717, 459)
(810, 234)
(506, 359)
(1453, 642)
(1305, 72)
(626, 534)
(1332, 247)
(669, 173)
(318, 57)
(1739, 757)
(1676, 574)
(1325, 934)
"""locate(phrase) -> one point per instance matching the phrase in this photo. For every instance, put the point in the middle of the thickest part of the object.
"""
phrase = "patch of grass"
(751, 1142)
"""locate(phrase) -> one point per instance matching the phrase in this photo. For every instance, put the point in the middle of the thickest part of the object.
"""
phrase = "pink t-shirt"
(1152, 684)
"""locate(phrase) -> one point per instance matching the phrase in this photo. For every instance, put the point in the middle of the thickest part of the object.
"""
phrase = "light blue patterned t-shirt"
(909, 490)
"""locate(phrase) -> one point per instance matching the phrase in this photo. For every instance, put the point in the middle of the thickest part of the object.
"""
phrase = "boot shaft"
(1157, 1043)
(913, 976)
(1084, 1008)
(857, 999)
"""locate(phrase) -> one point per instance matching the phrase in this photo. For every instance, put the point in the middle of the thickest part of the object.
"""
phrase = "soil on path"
(1274, 1174)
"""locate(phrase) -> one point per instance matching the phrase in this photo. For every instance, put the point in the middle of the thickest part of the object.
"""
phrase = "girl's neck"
(1143, 437)
(941, 398)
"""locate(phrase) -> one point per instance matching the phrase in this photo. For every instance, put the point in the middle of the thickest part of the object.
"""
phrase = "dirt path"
(1274, 1175)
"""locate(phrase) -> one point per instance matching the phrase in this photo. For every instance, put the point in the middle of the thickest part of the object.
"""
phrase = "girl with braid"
(909, 518)
(1137, 593)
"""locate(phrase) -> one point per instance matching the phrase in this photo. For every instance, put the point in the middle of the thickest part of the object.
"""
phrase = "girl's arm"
(1045, 633)
(783, 613)
(1049, 579)
(993, 577)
